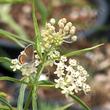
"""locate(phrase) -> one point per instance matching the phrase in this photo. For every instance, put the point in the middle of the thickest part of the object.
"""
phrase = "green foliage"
(5, 59)
(34, 98)
(47, 106)
(2, 94)
(5, 102)
(42, 9)
(37, 31)
(18, 40)
(28, 100)
(6, 78)
(78, 100)
(45, 83)
(21, 97)
(78, 52)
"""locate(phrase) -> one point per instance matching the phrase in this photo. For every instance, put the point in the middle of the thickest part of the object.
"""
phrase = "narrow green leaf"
(45, 83)
(42, 9)
(64, 107)
(5, 60)
(37, 31)
(21, 97)
(5, 102)
(11, 38)
(28, 101)
(78, 100)
(18, 39)
(2, 94)
(4, 108)
(6, 78)
(78, 52)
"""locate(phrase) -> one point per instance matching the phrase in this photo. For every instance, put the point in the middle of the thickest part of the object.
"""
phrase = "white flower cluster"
(52, 56)
(15, 65)
(64, 32)
(71, 78)
(27, 68)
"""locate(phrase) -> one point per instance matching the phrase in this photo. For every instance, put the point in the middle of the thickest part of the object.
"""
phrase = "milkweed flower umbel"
(27, 69)
(71, 77)
(55, 33)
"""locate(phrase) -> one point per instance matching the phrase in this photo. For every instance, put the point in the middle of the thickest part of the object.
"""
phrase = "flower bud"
(52, 21)
(74, 38)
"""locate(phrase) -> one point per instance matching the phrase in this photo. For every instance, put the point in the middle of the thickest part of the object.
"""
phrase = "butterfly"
(27, 56)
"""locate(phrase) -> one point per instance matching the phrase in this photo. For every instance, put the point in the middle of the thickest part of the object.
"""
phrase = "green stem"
(38, 49)
(35, 87)
(21, 97)
(40, 69)
(77, 99)
(34, 98)
(28, 100)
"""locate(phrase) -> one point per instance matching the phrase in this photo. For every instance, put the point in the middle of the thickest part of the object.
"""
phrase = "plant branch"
(78, 100)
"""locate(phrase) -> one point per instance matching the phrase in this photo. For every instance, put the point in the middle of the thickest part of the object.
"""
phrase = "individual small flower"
(69, 24)
(74, 38)
(52, 21)
(66, 28)
(71, 77)
(61, 25)
(86, 88)
(72, 30)
(63, 59)
(73, 62)
(59, 72)
(60, 82)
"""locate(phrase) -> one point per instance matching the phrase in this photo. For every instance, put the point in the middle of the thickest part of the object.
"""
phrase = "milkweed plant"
(71, 77)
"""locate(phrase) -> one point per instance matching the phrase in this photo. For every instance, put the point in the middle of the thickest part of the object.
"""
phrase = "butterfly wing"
(29, 51)
(22, 58)
(27, 56)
